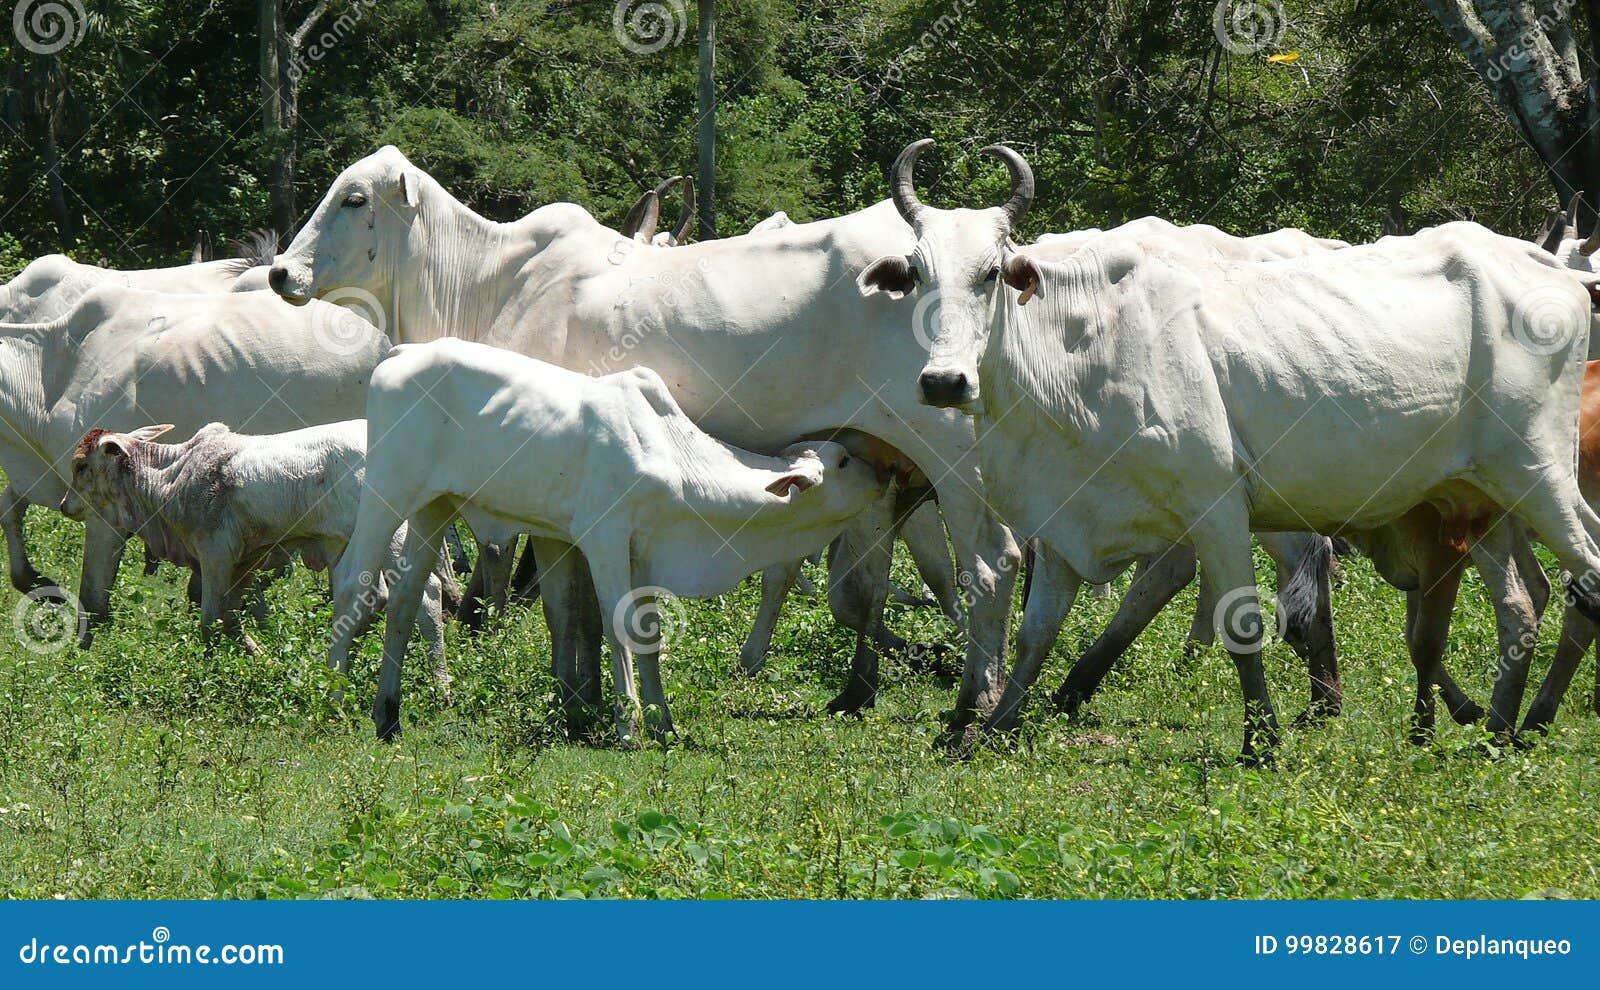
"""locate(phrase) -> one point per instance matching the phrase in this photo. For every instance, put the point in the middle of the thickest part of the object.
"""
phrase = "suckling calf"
(230, 502)
(610, 466)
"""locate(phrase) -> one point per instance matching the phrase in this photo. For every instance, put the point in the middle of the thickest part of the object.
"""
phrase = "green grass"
(148, 767)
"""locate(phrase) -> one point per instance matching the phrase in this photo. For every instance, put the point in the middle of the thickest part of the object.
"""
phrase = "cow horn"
(1554, 229)
(685, 221)
(1571, 214)
(1021, 181)
(645, 213)
(901, 184)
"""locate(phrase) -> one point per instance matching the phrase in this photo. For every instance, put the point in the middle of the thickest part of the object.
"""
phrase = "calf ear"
(410, 189)
(781, 487)
(1023, 275)
(893, 275)
(151, 432)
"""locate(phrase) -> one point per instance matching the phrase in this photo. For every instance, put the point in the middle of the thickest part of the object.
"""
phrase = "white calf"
(611, 466)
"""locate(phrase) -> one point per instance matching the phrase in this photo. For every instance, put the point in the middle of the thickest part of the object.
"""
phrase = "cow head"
(365, 219)
(833, 483)
(961, 264)
(1561, 238)
(99, 465)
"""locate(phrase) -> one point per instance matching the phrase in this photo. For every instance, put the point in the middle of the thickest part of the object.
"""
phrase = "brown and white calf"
(229, 502)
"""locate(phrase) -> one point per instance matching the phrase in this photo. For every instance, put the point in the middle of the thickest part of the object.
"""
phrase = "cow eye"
(994, 273)
(355, 199)
(844, 460)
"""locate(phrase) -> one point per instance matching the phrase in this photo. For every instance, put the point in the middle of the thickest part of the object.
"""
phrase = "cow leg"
(418, 556)
(1158, 579)
(567, 598)
(613, 582)
(1428, 611)
(430, 620)
(1305, 611)
(644, 633)
(1577, 635)
(102, 554)
(1517, 626)
(923, 533)
(858, 589)
(191, 590)
(1222, 546)
(525, 581)
(1553, 510)
(218, 596)
(497, 561)
(358, 580)
(776, 582)
(13, 519)
(987, 558)
(476, 595)
(1055, 589)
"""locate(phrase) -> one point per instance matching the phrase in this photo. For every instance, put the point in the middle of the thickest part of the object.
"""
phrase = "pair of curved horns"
(903, 188)
(645, 214)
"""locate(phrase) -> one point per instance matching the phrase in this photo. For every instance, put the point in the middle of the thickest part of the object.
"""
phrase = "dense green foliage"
(148, 767)
(1126, 107)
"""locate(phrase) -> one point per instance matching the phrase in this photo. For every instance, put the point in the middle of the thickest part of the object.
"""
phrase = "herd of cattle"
(668, 417)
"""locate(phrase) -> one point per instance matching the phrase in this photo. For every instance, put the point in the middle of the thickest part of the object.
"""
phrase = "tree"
(708, 118)
(283, 57)
(1528, 55)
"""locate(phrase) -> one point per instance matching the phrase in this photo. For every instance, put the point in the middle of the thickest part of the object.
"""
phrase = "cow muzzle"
(73, 507)
(293, 286)
(947, 388)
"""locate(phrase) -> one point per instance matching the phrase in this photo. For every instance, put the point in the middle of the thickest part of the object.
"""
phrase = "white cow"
(761, 338)
(49, 286)
(1198, 240)
(228, 502)
(124, 355)
(610, 465)
(1187, 402)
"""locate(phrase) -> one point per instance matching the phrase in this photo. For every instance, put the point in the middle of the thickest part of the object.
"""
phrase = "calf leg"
(418, 556)
(102, 554)
(776, 581)
(430, 620)
(13, 519)
(1158, 579)
(607, 555)
(490, 583)
(567, 598)
(357, 579)
(525, 582)
(923, 533)
(1054, 590)
(1577, 635)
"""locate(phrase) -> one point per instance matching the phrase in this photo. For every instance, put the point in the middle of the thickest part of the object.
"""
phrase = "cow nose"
(943, 387)
(277, 278)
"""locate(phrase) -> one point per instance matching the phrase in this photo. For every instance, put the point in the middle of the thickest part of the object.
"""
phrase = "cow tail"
(1299, 598)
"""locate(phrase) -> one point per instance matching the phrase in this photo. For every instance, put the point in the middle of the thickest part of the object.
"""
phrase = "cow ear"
(111, 447)
(893, 275)
(1023, 275)
(148, 433)
(781, 487)
(410, 188)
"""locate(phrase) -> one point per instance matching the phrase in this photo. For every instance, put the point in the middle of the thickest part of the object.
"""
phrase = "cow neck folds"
(22, 387)
(468, 262)
(1038, 354)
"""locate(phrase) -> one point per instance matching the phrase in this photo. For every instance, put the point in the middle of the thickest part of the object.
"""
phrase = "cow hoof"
(1067, 701)
(1318, 713)
(1470, 713)
(30, 581)
(1420, 734)
(853, 700)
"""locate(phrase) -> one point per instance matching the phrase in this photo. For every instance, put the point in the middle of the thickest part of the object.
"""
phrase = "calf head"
(824, 478)
(356, 232)
(960, 265)
(100, 465)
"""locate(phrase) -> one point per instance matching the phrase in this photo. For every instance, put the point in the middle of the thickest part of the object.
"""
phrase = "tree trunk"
(280, 73)
(1527, 55)
(708, 119)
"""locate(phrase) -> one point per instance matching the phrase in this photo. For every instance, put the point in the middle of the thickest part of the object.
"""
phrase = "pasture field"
(150, 767)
